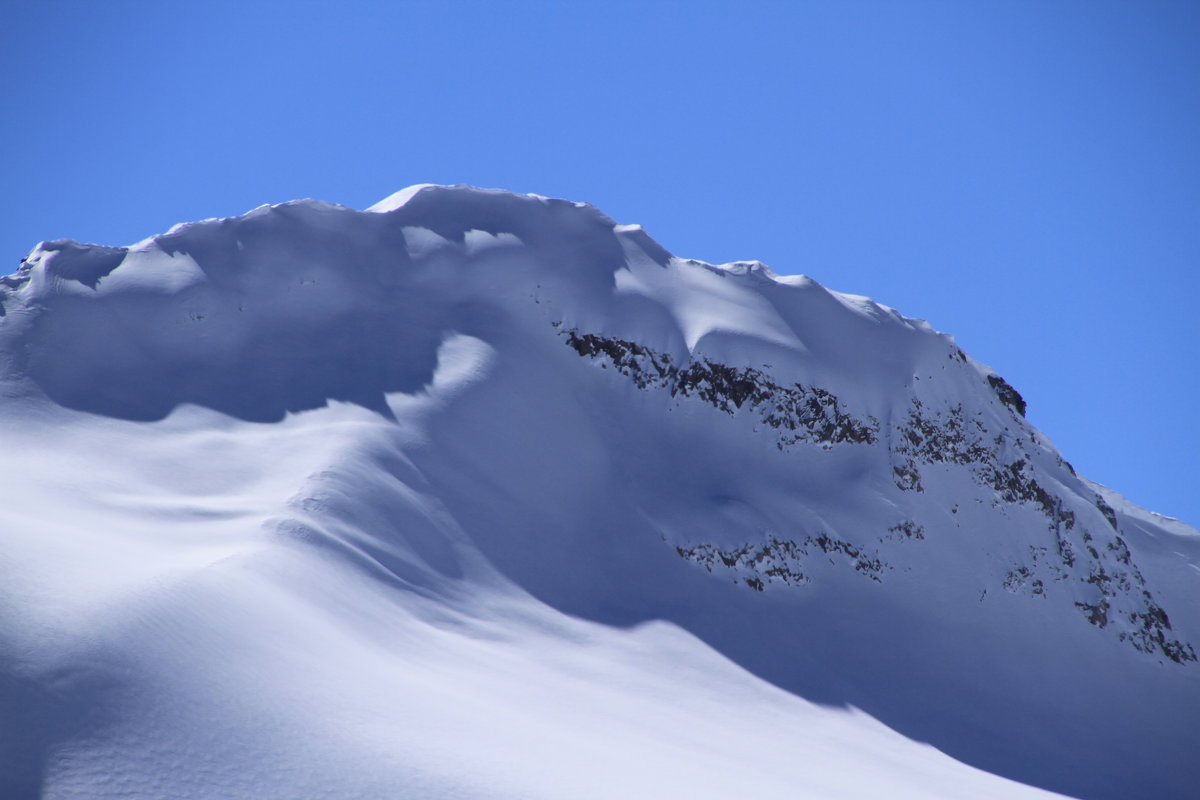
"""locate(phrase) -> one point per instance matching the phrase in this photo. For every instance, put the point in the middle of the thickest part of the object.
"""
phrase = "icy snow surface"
(480, 495)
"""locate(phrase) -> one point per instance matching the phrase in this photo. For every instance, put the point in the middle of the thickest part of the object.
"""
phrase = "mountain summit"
(476, 494)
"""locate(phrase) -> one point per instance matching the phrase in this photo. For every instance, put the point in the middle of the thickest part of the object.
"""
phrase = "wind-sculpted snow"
(476, 494)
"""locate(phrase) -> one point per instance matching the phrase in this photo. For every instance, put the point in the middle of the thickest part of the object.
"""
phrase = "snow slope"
(475, 494)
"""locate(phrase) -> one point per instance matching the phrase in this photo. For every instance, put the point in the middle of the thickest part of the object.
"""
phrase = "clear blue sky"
(1025, 174)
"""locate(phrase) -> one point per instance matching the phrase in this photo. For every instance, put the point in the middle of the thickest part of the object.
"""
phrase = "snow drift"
(475, 494)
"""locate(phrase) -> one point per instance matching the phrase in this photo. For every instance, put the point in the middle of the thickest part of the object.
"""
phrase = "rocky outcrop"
(783, 560)
(800, 413)
(1095, 571)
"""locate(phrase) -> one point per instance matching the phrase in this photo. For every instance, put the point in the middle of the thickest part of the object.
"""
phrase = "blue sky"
(1024, 174)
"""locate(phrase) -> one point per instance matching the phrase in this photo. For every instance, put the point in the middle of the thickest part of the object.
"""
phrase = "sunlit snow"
(482, 495)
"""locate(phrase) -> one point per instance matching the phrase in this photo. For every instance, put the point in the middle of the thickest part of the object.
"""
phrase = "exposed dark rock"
(1007, 394)
(780, 560)
(1107, 511)
(1149, 634)
(908, 529)
(1096, 613)
(801, 413)
(908, 478)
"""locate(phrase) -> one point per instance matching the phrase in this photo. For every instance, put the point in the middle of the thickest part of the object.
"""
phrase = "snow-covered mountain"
(475, 494)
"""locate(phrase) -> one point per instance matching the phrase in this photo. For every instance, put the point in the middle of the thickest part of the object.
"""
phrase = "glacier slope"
(477, 494)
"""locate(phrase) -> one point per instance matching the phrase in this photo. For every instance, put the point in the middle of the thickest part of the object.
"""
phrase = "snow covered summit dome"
(477, 494)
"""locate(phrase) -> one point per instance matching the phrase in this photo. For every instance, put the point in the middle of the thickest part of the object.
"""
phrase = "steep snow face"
(479, 494)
